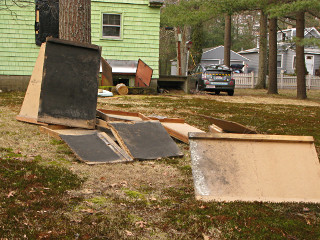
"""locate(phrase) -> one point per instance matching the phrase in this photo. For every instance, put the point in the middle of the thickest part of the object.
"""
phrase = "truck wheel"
(230, 92)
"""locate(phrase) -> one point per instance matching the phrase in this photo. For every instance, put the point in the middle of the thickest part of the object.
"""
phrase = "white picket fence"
(249, 80)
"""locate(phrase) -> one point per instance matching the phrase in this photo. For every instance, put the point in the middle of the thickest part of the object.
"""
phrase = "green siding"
(18, 51)
(140, 38)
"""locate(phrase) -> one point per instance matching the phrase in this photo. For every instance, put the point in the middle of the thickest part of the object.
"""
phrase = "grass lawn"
(45, 193)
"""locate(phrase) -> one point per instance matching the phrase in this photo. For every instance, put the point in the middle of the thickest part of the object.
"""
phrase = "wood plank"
(255, 137)
(112, 115)
(145, 140)
(143, 74)
(228, 126)
(69, 85)
(253, 170)
(180, 130)
(55, 131)
(30, 105)
(106, 75)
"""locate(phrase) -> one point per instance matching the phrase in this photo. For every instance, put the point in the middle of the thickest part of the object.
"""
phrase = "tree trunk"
(75, 20)
(227, 39)
(273, 86)
(300, 60)
(262, 74)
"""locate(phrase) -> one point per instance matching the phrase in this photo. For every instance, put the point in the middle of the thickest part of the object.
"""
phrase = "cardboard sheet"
(241, 167)
(145, 140)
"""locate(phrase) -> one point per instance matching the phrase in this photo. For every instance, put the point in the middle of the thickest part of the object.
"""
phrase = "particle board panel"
(95, 148)
(241, 167)
(145, 140)
(70, 83)
(30, 105)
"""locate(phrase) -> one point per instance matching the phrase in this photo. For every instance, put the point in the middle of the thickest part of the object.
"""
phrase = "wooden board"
(30, 106)
(95, 148)
(143, 74)
(220, 125)
(145, 140)
(56, 130)
(112, 115)
(70, 83)
(106, 76)
(180, 130)
(240, 167)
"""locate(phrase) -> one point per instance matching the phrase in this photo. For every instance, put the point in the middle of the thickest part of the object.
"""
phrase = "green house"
(125, 29)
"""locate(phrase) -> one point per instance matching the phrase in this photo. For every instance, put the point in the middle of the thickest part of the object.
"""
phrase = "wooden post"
(252, 79)
(309, 81)
(281, 80)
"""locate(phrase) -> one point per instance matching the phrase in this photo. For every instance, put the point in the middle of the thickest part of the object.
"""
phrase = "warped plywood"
(69, 85)
(241, 167)
(95, 148)
(106, 76)
(145, 140)
(30, 105)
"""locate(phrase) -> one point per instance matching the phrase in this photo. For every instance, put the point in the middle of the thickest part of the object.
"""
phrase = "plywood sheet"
(69, 84)
(180, 130)
(95, 148)
(106, 76)
(30, 106)
(232, 167)
(145, 140)
(113, 115)
(143, 74)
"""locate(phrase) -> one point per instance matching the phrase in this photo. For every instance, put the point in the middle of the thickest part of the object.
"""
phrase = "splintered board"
(145, 140)
(241, 167)
(106, 76)
(29, 109)
(69, 83)
(95, 148)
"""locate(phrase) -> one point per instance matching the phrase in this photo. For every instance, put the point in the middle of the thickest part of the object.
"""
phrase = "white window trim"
(121, 26)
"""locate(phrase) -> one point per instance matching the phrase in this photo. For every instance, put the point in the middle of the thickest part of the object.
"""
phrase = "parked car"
(213, 78)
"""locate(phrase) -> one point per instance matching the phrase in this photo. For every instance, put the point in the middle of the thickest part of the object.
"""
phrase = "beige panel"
(30, 106)
(180, 130)
(230, 169)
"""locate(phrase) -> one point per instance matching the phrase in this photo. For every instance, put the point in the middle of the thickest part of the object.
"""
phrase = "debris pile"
(229, 163)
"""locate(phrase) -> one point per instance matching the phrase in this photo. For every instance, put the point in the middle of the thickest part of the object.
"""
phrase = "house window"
(279, 61)
(111, 25)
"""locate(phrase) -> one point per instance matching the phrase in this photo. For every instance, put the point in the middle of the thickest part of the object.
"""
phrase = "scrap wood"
(143, 74)
(242, 167)
(145, 140)
(56, 130)
(106, 76)
(69, 86)
(220, 125)
(30, 105)
(180, 131)
(95, 148)
(113, 115)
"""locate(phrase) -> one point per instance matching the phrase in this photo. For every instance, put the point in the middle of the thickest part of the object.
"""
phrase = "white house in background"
(286, 59)
(215, 55)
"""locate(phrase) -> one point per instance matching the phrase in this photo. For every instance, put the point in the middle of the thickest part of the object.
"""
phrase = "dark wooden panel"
(145, 140)
(70, 83)
(94, 148)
